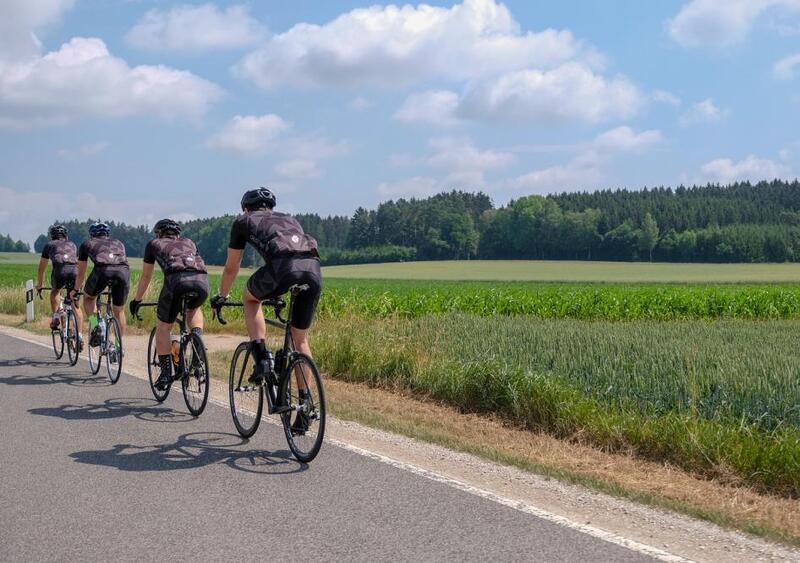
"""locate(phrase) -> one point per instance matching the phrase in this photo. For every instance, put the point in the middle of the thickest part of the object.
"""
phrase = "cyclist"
(290, 258)
(184, 273)
(110, 270)
(63, 254)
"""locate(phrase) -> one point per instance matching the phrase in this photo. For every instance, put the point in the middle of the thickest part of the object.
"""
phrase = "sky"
(135, 110)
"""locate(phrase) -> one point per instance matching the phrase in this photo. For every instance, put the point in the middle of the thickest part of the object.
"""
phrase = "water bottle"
(175, 344)
(102, 324)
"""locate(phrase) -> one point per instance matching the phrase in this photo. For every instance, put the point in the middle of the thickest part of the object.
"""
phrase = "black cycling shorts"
(177, 285)
(63, 276)
(115, 277)
(288, 272)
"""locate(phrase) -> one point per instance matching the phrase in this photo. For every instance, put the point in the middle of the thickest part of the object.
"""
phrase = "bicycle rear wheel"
(95, 354)
(154, 369)
(113, 350)
(58, 343)
(73, 337)
(304, 422)
(247, 401)
(194, 368)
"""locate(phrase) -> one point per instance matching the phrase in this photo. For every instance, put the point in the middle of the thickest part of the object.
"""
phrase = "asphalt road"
(91, 471)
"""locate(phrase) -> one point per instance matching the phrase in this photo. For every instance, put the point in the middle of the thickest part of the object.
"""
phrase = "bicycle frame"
(181, 320)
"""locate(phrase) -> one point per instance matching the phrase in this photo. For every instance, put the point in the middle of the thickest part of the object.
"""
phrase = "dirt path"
(569, 505)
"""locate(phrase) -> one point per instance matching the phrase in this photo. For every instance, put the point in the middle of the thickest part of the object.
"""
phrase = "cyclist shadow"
(191, 451)
(30, 362)
(143, 409)
(56, 378)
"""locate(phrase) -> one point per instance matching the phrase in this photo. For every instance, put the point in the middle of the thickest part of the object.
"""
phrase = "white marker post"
(29, 301)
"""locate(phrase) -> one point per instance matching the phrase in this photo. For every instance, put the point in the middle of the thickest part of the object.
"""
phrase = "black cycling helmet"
(99, 229)
(167, 226)
(258, 199)
(58, 231)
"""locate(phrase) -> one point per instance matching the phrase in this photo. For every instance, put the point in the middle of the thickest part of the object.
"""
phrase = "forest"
(741, 222)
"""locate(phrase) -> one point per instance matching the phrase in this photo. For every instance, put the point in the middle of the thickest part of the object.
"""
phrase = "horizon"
(137, 110)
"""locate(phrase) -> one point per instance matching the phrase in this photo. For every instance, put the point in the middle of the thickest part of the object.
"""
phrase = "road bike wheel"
(154, 369)
(58, 343)
(113, 349)
(73, 337)
(95, 354)
(247, 401)
(195, 374)
(304, 422)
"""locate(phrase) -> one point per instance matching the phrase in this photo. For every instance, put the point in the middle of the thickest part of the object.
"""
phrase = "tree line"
(741, 222)
(8, 244)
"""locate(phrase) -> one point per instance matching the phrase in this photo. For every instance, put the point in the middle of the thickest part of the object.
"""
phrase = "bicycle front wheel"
(73, 338)
(304, 421)
(154, 369)
(194, 368)
(95, 354)
(113, 350)
(247, 400)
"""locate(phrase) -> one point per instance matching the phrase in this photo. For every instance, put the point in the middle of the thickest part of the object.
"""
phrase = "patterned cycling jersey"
(272, 235)
(104, 251)
(60, 251)
(174, 254)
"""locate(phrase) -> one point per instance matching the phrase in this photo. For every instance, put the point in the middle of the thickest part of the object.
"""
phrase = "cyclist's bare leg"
(119, 313)
(300, 339)
(163, 344)
(55, 300)
(194, 318)
(89, 304)
(254, 317)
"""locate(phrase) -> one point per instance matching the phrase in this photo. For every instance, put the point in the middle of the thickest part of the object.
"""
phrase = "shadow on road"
(57, 378)
(30, 362)
(191, 451)
(143, 409)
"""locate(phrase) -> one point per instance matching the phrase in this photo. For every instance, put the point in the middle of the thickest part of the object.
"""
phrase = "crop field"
(705, 376)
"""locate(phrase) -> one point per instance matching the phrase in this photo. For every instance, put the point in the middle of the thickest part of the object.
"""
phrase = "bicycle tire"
(113, 349)
(95, 354)
(246, 406)
(195, 371)
(73, 337)
(58, 343)
(154, 369)
(306, 445)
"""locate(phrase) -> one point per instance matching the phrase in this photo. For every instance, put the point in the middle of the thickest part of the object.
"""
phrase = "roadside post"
(29, 301)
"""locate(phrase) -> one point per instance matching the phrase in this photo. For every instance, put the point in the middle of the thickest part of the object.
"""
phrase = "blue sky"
(133, 110)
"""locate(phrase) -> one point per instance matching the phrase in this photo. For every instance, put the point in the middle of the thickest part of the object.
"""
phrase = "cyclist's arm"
(81, 274)
(144, 281)
(40, 274)
(231, 271)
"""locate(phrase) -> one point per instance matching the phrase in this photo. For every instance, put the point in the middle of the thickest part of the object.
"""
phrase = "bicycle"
(68, 330)
(283, 399)
(110, 340)
(191, 365)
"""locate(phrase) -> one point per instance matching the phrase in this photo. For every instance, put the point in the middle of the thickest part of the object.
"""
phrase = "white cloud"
(625, 139)
(435, 107)
(360, 103)
(249, 133)
(26, 214)
(784, 69)
(720, 23)
(388, 46)
(724, 170)
(702, 112)
(559, 178)
(22, 19)
(664, 97)
(83, 79)
(570, 92)
(198, 28)
(459, 155)
(85, 150)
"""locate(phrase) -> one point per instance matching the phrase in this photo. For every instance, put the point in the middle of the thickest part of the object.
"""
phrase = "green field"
(703, 375)
(572, 271)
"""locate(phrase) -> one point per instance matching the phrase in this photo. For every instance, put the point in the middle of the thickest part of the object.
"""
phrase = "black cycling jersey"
(174, 254)
(271, 234)
(104, 251)
(60, 251)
